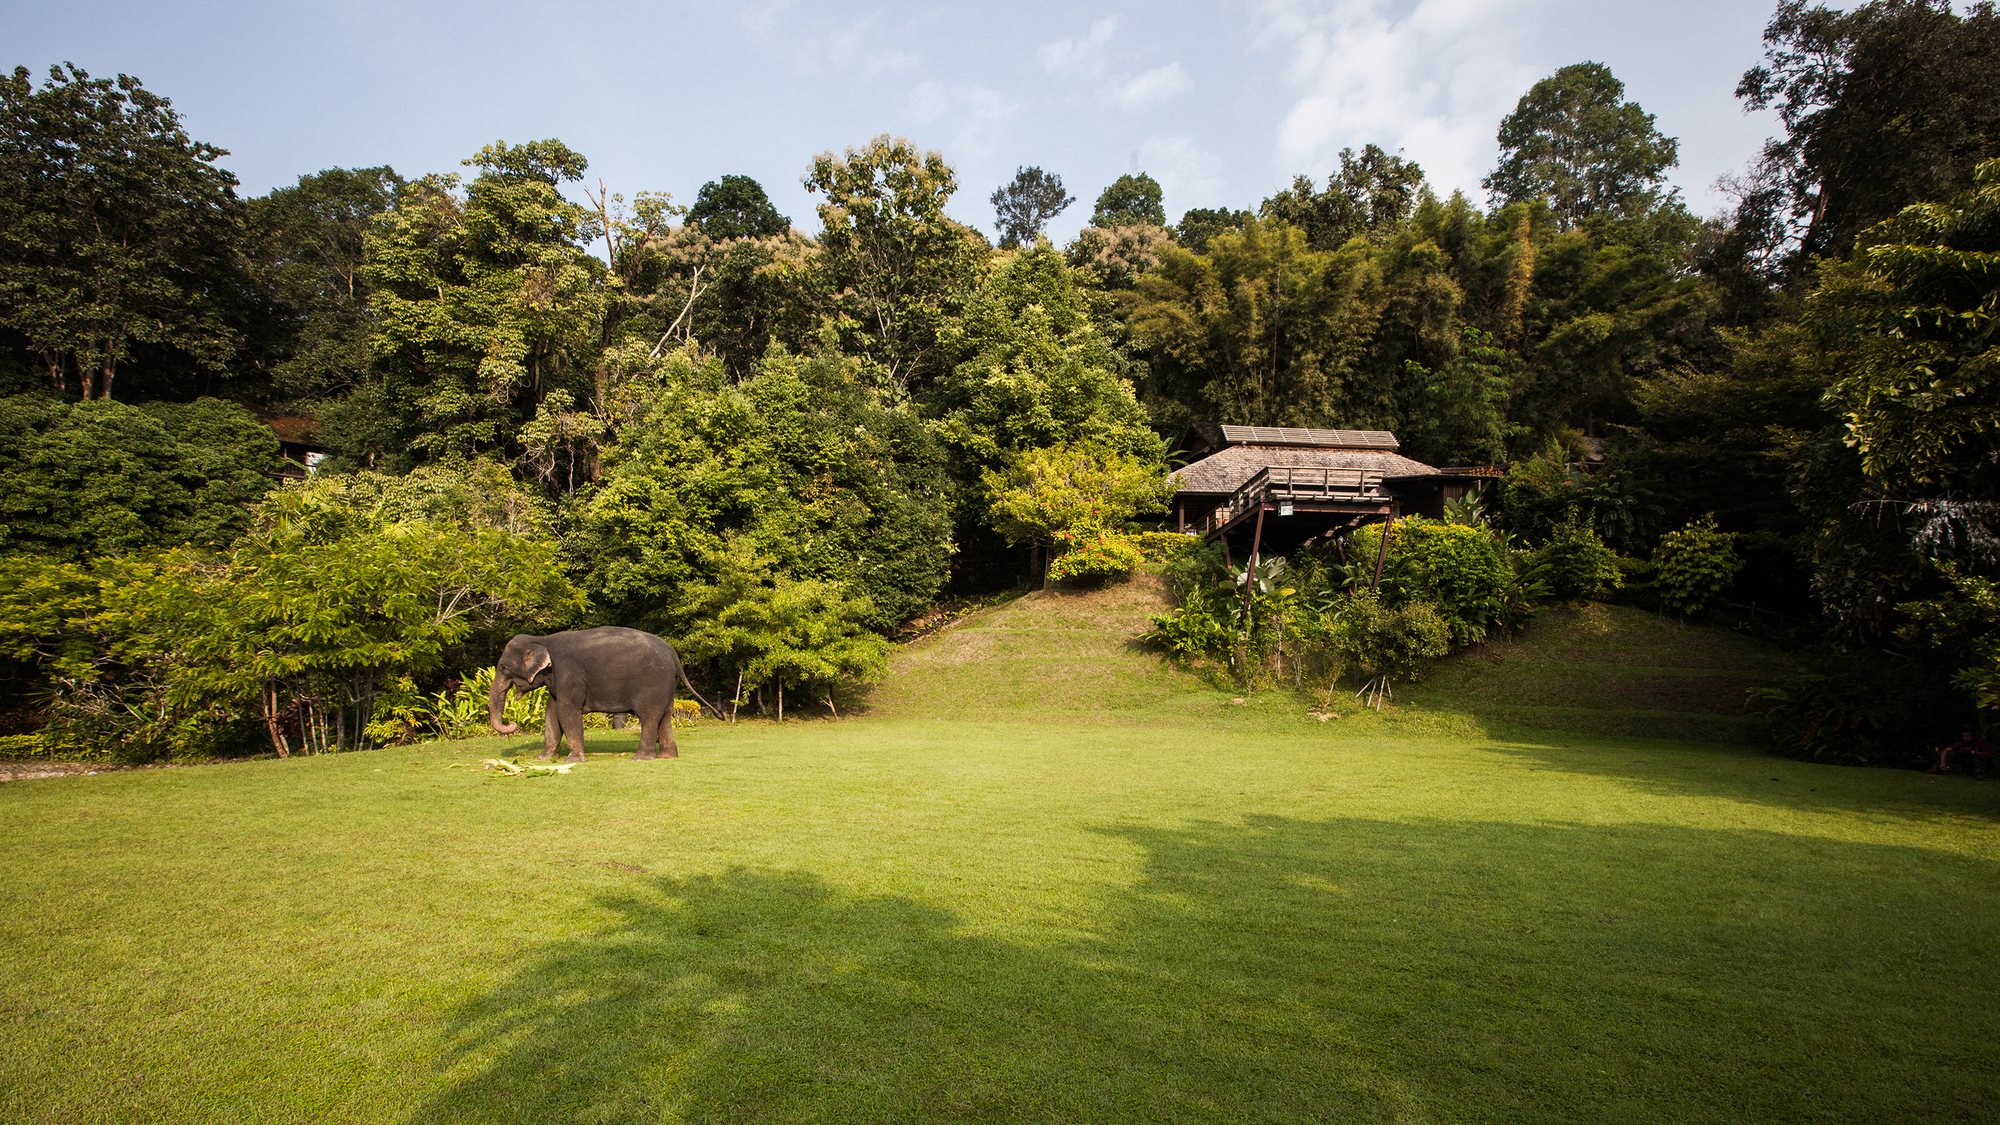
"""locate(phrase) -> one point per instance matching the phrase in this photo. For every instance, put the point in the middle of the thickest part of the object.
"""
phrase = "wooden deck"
(1285, 490)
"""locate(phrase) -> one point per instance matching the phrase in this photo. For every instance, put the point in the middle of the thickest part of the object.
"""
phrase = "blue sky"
(1221, 102)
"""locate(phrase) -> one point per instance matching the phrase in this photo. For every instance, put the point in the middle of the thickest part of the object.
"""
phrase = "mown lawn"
(1252, 916)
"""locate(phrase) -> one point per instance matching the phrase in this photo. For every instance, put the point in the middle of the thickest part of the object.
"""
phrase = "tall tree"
(486, 300)
(736, 207)
(1890, 103)
(1025, 206)
(1577, 142)
(117, 230)
(305, 244)
(897, 266)
(1130, 201)
(1373, 193)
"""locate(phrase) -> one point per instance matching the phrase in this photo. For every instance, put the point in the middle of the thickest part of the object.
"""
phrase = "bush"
(1096, 560)
(1857, 709)
(1578, 563)
(1462, 571)
(1693, 566)
(1165, 546)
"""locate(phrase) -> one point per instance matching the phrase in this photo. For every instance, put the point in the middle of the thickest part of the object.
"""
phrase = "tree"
(1373, 194)
(897, 267)
(1884, 105)
(736, 207)
(305, 246)
(1025, 206)
(1065, 495)
(1034, 370)
(1262, 331)
(806, 466)
(1130, 200)
(1577, 142)
(116, 230)
(485, 300)
(98, 477)
(1200, 224)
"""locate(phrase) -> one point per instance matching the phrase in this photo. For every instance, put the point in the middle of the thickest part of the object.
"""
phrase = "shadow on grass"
(1759, 777)
(1282, 970)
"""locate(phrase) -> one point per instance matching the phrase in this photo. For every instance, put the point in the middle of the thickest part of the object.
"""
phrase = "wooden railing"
(1311, 486)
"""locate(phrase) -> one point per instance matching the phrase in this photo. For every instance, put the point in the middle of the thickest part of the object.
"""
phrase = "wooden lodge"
(1260, 489)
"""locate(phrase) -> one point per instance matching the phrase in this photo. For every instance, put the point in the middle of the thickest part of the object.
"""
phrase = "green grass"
(1025, 888)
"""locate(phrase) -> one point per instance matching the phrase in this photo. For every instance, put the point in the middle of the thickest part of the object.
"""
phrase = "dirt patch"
(19, 769)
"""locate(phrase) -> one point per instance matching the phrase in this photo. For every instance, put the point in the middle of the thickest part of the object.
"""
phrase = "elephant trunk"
(496, 705)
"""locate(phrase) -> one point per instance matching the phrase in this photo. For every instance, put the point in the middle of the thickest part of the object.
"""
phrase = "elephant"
(609, 669)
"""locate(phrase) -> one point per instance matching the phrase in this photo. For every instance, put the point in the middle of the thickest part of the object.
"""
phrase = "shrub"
(1387, 643)
(1096, 560)
(1579, 564)
(1462, 571)
(1856, 709)
(1693, 566)
(1165, 546)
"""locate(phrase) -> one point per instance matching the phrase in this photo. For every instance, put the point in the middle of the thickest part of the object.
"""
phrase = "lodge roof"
(1310, 439)
(1226, 469)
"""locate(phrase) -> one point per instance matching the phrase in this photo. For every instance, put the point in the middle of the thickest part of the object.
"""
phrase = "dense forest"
(541, 402)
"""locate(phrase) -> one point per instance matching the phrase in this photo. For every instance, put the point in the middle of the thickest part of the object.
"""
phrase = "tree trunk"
(781, 700)
(270, 701)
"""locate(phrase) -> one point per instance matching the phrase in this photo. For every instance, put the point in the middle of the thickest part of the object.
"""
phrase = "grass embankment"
(1128, 900)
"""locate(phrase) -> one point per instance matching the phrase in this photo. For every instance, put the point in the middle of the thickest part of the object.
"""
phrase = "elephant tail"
(712, 708)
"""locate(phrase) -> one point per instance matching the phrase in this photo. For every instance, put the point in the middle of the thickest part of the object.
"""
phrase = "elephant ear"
(537, 661)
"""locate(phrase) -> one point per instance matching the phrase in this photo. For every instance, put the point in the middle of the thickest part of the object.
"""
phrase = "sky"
(1222, 103)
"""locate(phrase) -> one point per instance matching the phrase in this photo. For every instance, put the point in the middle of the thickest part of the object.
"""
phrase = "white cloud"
(1189, 175)
(973, 113)
(1153, 87)
(1432, 81)
(1079, 56)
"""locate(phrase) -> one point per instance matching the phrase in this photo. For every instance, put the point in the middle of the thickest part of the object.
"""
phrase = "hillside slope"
(1076, 652)
(1607, 669)
(1590, 669)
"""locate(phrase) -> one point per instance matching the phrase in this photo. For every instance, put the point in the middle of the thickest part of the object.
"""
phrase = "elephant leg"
(618, 722)
(657, 730)
(572, 721)
(551, 734)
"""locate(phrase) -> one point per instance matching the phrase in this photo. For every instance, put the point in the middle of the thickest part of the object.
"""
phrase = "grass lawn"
(1046, 880)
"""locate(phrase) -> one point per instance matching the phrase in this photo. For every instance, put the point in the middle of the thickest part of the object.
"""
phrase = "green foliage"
(736, 207)
(1963, 625)
(1022, 208)
(1575, 141)
(116, 230)
(1920, 385)
(1457, 415)
(1860, 708)
(1200, 224)
(484, 299)
(1131, 200)
(1371, 194)
(1462, 572)
(1096, 558)
(1072, 493)
(1884, 104)
(898, 268)
(1388, 644)
(1033, 370)
(804, 466)
(1544, 490)
(1262, 330)
(304, 245)
(809, 635)
(1165, 546)
(103, 477)
(1694, 565)
(1578, 563)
